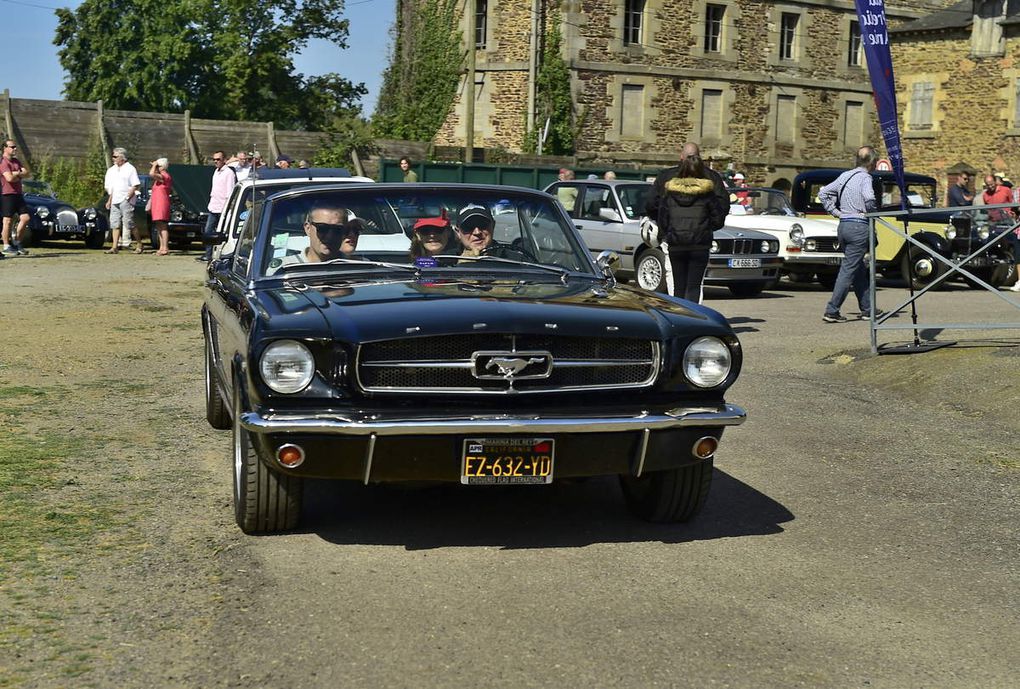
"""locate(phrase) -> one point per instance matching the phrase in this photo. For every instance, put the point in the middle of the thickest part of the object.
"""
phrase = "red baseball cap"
(442, 222)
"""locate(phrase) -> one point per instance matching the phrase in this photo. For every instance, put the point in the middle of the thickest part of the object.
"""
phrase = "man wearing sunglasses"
(474, 225)
(13, 199)
(223, 180)
(332, 233)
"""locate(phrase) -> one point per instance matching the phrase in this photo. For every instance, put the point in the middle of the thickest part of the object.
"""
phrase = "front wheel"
(264, 501)
(743, 289)
(674, 495)
(650, 271)
(95, 239)
(920, 268)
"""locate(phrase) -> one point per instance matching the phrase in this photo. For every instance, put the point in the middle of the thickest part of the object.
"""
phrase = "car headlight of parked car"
(950, 231)
(177, 216)
(984, 232)
(43, 212)
(287, 366)
(714, 248)
(91, 214)
(796, 234)
(707, 362)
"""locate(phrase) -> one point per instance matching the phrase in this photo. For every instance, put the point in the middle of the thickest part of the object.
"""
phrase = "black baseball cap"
(475, 216)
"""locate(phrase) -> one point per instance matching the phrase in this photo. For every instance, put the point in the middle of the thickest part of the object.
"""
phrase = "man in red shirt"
(12, 199)
(994, 193)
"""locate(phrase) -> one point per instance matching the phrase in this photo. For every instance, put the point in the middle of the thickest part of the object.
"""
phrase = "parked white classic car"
(809, 248)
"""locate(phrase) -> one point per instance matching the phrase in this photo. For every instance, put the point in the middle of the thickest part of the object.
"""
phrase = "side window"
(229, 212)
(242, 253)
(567, 194)
(597, 198)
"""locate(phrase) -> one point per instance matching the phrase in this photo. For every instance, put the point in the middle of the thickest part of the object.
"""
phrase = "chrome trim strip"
(369, 454)
(371, 425)
(467, 363)
(642, 451)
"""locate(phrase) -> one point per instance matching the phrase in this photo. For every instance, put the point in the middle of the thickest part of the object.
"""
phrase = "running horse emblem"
(510, 367)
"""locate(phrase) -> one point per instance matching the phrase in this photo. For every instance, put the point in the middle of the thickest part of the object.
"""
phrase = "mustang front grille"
(488, 363)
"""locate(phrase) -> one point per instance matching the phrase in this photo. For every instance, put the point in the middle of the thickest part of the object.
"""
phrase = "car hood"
(380, 311)
(34, 200)
(782, 223)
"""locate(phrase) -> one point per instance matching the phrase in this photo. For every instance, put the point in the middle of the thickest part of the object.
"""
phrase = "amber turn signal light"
(705, 447)
(290, 455)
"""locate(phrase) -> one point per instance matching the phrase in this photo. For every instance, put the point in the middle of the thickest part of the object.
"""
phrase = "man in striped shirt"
(849, 197)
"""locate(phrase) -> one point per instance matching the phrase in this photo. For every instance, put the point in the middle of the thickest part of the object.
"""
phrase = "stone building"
(769, 88)
(958, 78)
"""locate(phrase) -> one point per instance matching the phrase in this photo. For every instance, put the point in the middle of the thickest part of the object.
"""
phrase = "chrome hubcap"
(649, 273)
(923, 268)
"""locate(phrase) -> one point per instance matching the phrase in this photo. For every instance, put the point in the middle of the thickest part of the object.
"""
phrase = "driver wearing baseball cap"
(474, 226)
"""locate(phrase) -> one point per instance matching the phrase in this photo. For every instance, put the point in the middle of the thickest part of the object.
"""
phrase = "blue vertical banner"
(875, 39)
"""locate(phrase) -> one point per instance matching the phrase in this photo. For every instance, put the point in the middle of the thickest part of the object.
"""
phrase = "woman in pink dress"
(159, 202)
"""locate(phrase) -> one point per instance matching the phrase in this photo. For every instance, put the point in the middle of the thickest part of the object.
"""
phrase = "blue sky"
(36, 73)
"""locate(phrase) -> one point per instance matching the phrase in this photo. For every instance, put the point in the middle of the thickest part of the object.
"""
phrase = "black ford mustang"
(504, 355)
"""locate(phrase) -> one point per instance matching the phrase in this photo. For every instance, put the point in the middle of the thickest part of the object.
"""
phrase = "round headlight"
(773, 247)
(984, 232)
(797, 234)
(950, 231)
(177, 216)
(764, 247)
(287, 366)
(714, 248)
(42, 212)
(810, 245)
(91, 214)
(707, 362)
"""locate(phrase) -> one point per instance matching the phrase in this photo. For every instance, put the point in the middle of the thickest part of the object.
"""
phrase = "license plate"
(69, 228)
(507, 461)
(745, 263)
(832, 261)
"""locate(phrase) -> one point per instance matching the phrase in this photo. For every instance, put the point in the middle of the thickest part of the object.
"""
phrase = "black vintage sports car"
(507, 357)
(52, 218)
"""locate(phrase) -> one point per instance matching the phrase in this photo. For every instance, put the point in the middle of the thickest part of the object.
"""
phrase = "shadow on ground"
(564, 515)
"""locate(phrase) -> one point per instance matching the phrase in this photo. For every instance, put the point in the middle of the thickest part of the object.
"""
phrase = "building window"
(853, 124)
(711, 114)
(1016, 106)
(714, 27)
(788, 36)
(855, 56)
(786, 119)
(481, 21)
(921, 96)
(633, 11)
(632, 111)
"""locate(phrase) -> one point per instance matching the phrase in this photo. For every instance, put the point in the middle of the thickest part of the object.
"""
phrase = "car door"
(601, 223)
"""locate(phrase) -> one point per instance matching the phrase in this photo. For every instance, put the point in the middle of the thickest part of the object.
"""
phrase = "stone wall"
(672, 71)
(974, 105)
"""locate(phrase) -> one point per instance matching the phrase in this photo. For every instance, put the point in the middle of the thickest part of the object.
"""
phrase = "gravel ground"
(861, 530)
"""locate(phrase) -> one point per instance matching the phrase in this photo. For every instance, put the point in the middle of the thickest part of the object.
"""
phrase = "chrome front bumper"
(379, 425)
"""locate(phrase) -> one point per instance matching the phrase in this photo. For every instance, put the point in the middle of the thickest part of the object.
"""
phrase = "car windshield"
(632, 197)
(918, 195)
(759, 202)
(397, 229)
(31, 186)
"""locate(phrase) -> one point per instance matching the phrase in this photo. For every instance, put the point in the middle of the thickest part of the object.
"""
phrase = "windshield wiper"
(562, 272)
(348, 261)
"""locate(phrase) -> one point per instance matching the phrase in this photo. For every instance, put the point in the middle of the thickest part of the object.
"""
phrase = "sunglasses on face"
(325, 228)
(476, 228)
(11, 146)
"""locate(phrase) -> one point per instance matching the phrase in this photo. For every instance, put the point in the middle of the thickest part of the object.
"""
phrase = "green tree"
(222, 59)
(553, 101)
(420, 83)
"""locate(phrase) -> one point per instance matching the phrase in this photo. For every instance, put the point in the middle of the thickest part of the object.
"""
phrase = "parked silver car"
(608, 215)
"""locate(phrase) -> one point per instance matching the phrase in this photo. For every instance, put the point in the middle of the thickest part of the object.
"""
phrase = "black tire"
(744, 290)
(95, 239)
(674, 495)
(996, 276)
(919, 268)
(801, 278)
(216, 412)
(650, 263)
(264, 501)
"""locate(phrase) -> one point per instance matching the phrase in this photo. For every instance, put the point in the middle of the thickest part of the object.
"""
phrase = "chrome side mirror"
(607, 261)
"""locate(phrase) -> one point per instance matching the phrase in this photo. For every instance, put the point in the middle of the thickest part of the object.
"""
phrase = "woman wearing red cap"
(432, 236)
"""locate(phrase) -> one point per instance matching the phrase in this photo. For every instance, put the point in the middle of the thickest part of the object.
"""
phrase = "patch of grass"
(10, 391)
(42, 515)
